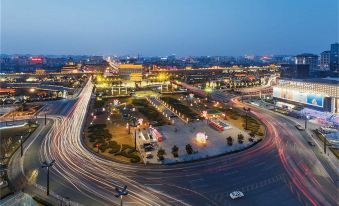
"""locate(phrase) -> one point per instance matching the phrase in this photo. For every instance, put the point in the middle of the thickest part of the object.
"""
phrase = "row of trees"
(175, 151)
(240, 139)
(189, 148)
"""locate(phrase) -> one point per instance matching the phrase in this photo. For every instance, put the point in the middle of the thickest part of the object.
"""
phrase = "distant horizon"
(160, 28)
(141, 55)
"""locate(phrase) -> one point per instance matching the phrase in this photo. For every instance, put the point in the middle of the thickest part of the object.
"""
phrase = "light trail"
(85, 171)
(97, 177)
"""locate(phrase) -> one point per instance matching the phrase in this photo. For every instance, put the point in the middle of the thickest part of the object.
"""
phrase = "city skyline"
(164, 28)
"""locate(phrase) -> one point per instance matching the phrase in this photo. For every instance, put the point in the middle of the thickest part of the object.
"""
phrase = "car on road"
(236, 194)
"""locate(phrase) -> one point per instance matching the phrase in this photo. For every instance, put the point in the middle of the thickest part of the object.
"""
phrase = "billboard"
(305, 98)
(315, 100)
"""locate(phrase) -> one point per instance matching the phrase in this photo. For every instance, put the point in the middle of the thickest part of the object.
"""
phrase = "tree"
(189, 149)
(161, 153)
(240, 138)
(252, 134)
(229, 140)
(175, 151)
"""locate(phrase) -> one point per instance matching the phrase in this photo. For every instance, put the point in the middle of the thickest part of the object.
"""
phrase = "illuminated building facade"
(130, 71)
(319, 94)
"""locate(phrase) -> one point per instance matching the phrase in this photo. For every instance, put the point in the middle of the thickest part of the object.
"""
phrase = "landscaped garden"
(149, 112)
(101, 141)
(180, 107)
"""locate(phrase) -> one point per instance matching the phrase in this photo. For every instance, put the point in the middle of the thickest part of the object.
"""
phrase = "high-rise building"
(295, 71)
(308, 59)
(334, 58)
(325, 60)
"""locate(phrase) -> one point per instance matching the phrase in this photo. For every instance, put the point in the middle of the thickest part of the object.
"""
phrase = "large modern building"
(334, 58)
(295, 71)
(325, 60)
(307, 59)
(317, 94)
(131, 71)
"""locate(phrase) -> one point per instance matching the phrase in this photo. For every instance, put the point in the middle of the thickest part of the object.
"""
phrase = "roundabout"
(278, 170)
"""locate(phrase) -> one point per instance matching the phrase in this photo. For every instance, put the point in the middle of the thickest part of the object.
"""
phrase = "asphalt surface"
(280, 170)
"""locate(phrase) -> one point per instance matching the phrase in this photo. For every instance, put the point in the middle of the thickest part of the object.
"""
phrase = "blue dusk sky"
(163, 27)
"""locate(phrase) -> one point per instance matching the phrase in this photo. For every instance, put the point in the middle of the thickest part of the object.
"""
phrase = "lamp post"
(45, 118)
(324, 144)
(47, 165)
(21, 149)
(306, 118)
(121, 192)
(247, 110)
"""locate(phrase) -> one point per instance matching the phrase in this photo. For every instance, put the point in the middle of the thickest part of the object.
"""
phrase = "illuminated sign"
(315, 100)
(36, 59)
(293, 95)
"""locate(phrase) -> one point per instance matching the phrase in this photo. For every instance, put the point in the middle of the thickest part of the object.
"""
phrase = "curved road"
(280, 170)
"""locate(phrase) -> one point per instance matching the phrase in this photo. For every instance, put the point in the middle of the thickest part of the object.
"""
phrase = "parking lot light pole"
(45, 118)
(48, 165)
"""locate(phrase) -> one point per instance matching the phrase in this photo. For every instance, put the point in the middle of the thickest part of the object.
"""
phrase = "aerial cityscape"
(146, 103)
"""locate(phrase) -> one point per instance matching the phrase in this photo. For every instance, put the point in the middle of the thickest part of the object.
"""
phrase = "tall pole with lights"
(247, 110)
(21, 149)
(47, 165)
(121, 192)
(306, 118)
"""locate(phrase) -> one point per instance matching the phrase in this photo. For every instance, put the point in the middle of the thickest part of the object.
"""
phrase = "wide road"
(280, 170)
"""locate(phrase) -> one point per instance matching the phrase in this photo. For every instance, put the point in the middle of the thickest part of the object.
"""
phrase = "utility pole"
(45, 118)
(306, 118)
(48, 165)
(121, 192)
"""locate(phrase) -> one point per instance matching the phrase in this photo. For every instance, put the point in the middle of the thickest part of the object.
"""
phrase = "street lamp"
(45, 118)
(247, 110)
(135, 124)
(21, 149)
(121, 192)
(48, 165)
(306, 118)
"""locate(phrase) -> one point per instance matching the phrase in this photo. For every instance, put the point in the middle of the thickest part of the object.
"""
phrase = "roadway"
(281, 170)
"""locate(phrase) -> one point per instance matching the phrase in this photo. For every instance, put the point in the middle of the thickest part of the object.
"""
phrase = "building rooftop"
(327, 80)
